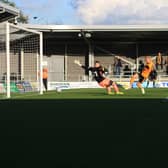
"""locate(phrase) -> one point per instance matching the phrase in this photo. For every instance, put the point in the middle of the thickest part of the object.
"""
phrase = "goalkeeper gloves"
(77, 62)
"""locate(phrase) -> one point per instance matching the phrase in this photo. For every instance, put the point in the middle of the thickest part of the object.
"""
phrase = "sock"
(115, 87)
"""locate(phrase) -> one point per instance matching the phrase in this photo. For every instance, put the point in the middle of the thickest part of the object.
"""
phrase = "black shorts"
(153, 76)
(141, 78)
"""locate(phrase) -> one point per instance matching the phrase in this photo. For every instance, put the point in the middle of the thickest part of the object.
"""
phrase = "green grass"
(95, 94)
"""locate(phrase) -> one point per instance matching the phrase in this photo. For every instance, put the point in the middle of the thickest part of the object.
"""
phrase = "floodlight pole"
(137, 55)
(66, 63)
(91, 59)
(41, 61)
(8, 60)
(91, 53)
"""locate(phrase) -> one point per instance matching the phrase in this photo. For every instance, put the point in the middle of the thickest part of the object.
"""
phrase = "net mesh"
(24, 59)
(3, 68)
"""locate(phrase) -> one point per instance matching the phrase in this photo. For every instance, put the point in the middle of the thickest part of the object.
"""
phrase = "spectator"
(118, 67)
(115, 63)
(159, 61)
(127, 71)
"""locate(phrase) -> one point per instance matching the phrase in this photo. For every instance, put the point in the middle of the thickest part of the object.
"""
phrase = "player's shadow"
(100, 95)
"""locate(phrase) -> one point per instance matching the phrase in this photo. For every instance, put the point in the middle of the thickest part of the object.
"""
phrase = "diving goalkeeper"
(98, 74)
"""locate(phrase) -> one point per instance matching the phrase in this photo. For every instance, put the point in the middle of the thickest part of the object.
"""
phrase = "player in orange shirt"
(45, 78)
(143, 75)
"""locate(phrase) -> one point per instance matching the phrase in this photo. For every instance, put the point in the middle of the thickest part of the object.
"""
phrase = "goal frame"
(7, 26)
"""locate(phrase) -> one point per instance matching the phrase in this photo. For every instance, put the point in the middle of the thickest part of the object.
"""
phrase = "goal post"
(21, 57)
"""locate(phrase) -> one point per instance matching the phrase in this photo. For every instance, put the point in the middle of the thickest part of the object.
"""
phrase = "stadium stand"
(62, 45)
(8, 12)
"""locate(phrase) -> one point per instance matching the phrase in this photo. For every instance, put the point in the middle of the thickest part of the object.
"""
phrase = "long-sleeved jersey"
(147, 69)
(97, 72)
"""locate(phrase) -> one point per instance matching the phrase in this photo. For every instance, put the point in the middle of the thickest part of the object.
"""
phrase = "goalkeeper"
(98, 73)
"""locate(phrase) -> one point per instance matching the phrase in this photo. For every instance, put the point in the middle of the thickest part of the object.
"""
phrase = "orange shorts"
(105, 83)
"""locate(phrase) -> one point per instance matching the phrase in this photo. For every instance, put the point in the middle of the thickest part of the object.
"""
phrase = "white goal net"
(20, 60)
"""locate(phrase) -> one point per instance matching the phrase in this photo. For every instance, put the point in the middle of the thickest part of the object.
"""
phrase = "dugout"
(62, 44)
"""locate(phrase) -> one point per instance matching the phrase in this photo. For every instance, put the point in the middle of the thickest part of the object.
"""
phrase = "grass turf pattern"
(95, 94)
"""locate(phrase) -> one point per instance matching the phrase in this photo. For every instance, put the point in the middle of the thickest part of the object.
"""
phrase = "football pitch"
(86, 123)
(95, 94)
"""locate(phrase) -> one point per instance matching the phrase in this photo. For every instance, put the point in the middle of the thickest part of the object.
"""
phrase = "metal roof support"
(66, 63)
(86, 36)
(91, 59)
(137, 55)
(124, 60)
(97, 28)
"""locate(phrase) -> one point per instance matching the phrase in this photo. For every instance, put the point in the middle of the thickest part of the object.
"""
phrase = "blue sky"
(49, 11)
(94, 12)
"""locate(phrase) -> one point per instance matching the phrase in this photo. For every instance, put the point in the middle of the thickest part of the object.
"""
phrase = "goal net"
(20, 60)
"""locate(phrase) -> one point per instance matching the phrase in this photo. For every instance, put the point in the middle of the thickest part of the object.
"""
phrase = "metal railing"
(61, 77)
(18, 78)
